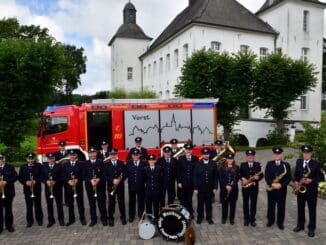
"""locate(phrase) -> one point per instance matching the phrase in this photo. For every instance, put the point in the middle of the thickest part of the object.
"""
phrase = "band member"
(73, 179)
(95, 187)
(8, 176)
(30, 176)
(153, 176)
(174, 146)
(277, 176)
(229, 175)
(169, 169)
(143, 150)
(115, 174)
(205, 182)
(135, 174)
(104, 152)
(250, 174)
(307, 174)
(185, 176)
(61, 153)
(52, 179)
(218, 148)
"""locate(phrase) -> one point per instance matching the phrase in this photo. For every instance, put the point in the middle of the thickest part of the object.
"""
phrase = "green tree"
(280, 80)
(227, 77)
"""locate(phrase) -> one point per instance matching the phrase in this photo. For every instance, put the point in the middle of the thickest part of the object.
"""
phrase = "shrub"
(276, 138)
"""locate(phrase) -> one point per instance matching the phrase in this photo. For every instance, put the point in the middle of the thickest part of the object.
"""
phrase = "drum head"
(146, 230)
(172, 225)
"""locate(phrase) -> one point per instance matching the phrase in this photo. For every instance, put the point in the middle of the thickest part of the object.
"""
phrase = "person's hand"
(228, 188)
(196, 191)
(180, 185)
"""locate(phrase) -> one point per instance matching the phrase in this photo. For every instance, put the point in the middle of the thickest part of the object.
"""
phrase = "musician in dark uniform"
(174, 149)
(62, 152)
(229, 175)
(169, 169)
(153, 177)
(104, 152)
(8, 177)
(205, 182)
(250, 174)
(95, 187)
(185, 176)
(218, 149)
(52, 179)
(276, 196)
(115, 175)
(138, 146)
(135, 174)
(307, 174)
(73, 179)
(30, 176)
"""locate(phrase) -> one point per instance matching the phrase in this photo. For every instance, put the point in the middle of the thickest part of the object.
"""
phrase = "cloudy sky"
(91, 24)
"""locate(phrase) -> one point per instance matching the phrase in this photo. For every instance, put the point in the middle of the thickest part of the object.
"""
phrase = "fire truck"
(119, 122)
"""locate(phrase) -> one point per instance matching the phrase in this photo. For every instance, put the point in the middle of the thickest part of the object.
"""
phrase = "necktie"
(305, 164)
(93, 161)
(277, 163)
(168, 160)
(114, 163)
(51, 166)
(188, 158)
(250, 165)
(152, 168)
(136, 164)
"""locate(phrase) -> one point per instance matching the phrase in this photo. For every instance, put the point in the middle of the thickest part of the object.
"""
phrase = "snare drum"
(146, 227)
(173, 222)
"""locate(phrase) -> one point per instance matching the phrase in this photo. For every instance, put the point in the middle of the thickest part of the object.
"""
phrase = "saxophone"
(277, 179)
(252, 181)
(301, 188)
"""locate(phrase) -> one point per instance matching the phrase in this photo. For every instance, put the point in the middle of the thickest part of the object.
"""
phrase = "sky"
(92, 23)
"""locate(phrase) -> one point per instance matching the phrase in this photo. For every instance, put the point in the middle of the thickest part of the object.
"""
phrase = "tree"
(33, 65)
(227, 77)
(280, 80)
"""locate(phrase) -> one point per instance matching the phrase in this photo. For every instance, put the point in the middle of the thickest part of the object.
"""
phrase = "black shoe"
(40, 222)
(1, 230)
(298, 228)
(231, 221)
(111, 222)
(199, 220)
(61, 223)
(269, 224)
(253, 224)
(311, 233)
(11, 229)
(83, 222)
(93, 222)
(246, 223)
(131, 220)
(50, 224)
(210, 221)
(104, 223)
(29, 224)
(70, 223)
(281, 226)
(223, 221)
(123, 221)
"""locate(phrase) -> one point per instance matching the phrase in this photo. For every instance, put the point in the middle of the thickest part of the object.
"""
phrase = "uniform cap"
(135, 152)
(306, 148)
(2, 155)
(62, 143)
(205, 151)
(30, 155)
(50, 155)
(151, 157)
(277, 150)
(167, 149)
(250, 152)
(104, 142)
(92, 149)
(188, 146)
(174, 141)
(138, 139)
(72, 152)
(113, 152)
(218, 142)
(230, 156)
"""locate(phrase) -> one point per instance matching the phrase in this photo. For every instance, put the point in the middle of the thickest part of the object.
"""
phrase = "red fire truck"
(119, 122)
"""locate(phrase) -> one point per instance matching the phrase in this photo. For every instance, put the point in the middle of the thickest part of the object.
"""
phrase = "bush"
(122, 94)
(276, 138)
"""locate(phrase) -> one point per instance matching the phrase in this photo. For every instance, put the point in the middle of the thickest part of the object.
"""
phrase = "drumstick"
(141, 219)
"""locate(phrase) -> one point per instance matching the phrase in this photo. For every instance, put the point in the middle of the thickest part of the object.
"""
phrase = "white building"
(294, 27)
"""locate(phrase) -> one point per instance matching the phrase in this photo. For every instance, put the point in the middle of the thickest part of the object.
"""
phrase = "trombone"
(115, 187)
(94, 186)
(51, 186)
(31, 177)
(74, 185)
(3, 196)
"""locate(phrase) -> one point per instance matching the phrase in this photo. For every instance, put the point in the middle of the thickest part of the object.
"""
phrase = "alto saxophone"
(3, 196)
(301, 188)
(51, 186)
(94, 186)
(252, 181)
(74, 185)
(31, 177)
(277, 179)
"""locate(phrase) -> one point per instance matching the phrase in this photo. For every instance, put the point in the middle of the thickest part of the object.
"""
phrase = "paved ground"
(206, 234)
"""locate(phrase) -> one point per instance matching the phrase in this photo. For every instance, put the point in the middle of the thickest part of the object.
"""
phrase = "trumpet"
(3, 196)
(94, 186)
(74, 186)
(51, 186)
(63, 160)
(301, 188)
(277, 179)
(115, 187)
(106, 160)
(252, 181)
(31, 177)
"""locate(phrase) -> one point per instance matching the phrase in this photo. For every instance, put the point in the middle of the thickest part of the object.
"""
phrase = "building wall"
(163, 80)
(124, 54)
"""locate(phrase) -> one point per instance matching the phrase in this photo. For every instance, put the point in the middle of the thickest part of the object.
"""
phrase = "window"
(130, 73)
(176, 58)
(185, 51)
(149, 70)
(305, 21)
(279, 50)
(53, 125)
(160, 67)
(168, 63)
(154, 68)
(305, 54)
(303, 102)
(145, 73)
(216, 46)
(263, 53)
(244, 48)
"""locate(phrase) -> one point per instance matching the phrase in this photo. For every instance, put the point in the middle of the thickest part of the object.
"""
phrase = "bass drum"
(173, 222)
(146, 227)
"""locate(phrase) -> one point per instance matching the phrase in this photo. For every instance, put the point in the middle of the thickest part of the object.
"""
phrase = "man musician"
(306, 175)
(104, 152)
(250, 174)
(138, 146)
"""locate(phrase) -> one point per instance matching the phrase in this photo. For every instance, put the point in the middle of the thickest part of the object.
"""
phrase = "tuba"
(220, 158)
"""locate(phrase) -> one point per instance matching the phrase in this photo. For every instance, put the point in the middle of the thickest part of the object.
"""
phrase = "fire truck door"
(99, 128)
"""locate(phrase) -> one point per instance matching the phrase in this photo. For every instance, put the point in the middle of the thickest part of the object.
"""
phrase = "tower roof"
(129, 6)
(223, 13)
(271, 3)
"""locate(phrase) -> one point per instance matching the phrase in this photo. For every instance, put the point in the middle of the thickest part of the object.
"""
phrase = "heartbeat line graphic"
(173, 124)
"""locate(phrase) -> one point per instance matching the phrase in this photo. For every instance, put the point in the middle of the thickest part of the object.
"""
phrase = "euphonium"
(220, 158)
(3, 196)
(115, 187)
(31, 177)
(277, 179)
(301, 188)
(74, 185)
(252, 181)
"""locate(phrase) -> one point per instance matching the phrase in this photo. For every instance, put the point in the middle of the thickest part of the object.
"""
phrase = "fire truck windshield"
(55, 125)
